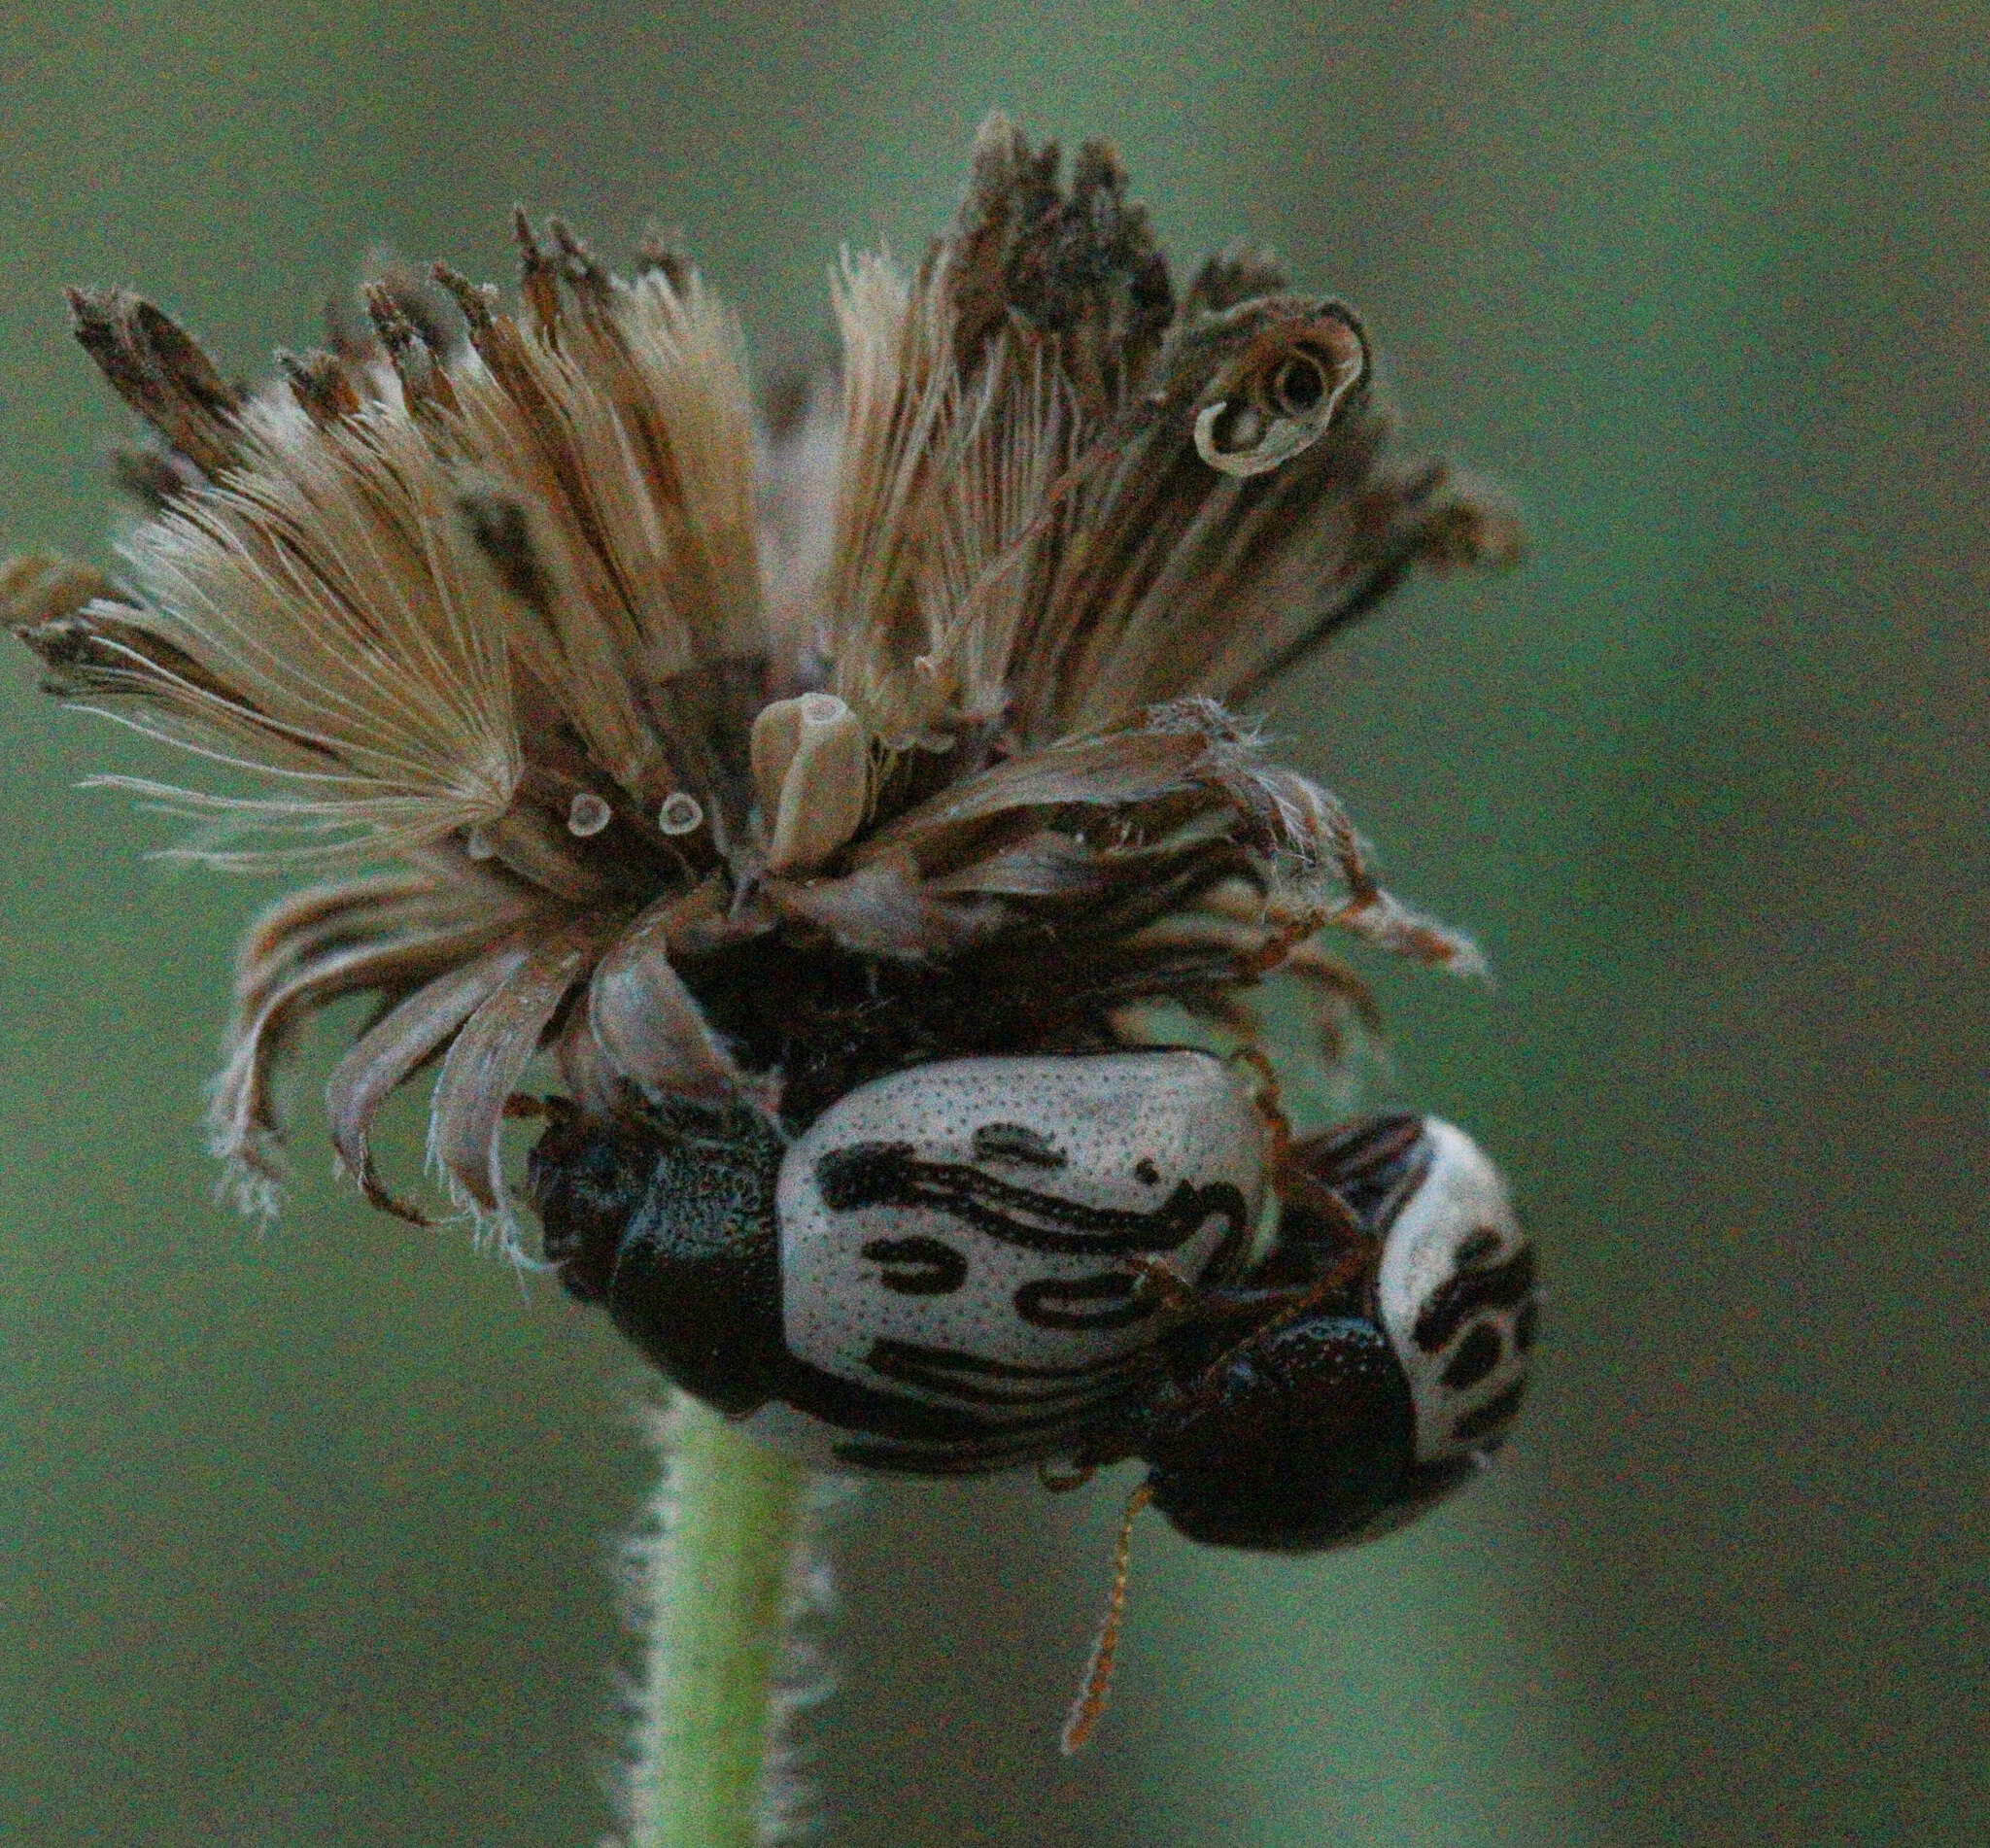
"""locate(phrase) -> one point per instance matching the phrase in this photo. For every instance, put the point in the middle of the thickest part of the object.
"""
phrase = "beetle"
(1364, 1368)
(1080, 1259)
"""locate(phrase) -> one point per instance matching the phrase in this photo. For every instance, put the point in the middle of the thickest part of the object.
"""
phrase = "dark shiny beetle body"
(986, 1262)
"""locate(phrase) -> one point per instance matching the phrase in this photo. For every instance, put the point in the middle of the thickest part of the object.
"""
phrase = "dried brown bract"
(736, 766)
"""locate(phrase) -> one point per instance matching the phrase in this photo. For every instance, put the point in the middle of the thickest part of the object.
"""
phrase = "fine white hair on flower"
(328, 632)
(744, 755)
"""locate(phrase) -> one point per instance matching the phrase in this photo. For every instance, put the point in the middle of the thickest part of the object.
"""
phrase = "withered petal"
(1121, 769)
(307, 924)
(489, 1056)
(646, 1020)
(884, 909)
(243, 1127)
(393, 1047)
(163, 372)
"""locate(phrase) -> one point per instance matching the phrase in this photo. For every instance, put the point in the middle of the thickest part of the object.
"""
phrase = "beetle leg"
(1267, 1101)
(1298, 1186)
(1303, 1298)
(1060, 1479)
(1161, 1278)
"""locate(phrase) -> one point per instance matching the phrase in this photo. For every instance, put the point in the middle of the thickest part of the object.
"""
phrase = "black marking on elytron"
(1526, 1326)
(918, 1266)
(974, 1379)
(1495, 1416)
(1482, 1245)
(1145, 1173)
(991, 1414)
(1041, 1302)
(1018, 1142)
(891, 1174)
(992, 1446)
(1464, 1294)
(968, 1430)
(1478, 1353)
(959, 1460)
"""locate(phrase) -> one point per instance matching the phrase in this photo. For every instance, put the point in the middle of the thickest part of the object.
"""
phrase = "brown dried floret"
(739, 767)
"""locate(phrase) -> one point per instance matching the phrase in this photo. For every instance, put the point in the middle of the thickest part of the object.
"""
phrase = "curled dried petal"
(387, 933)
(883, 910)
(1121, 770)
(1276, 398)
(389, 1052)
(489, 1056)
(648, 1022)
(242, 1120)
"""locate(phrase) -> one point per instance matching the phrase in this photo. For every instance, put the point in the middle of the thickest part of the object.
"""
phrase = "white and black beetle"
(990, 1261)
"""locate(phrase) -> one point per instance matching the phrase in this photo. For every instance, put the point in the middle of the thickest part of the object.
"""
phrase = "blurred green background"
(305, 1537)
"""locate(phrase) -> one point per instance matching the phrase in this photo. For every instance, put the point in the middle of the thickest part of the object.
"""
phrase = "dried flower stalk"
(744, 765)
(484, 594)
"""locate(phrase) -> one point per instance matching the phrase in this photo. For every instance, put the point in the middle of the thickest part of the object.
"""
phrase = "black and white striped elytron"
(991, 1261)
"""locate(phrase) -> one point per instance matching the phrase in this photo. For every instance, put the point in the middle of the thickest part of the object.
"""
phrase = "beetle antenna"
(1098, 1677)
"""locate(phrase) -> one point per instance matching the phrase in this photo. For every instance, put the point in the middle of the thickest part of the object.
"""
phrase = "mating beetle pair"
(1076, 1259)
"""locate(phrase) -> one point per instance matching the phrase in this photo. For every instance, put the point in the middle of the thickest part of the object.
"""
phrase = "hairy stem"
(716, 1564)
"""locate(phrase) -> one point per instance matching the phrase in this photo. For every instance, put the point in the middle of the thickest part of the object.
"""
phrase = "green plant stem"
(717, 1566)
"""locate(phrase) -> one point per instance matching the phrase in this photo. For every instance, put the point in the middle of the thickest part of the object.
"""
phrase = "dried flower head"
(745, 763)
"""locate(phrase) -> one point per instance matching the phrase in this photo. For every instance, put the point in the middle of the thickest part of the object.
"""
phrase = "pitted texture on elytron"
(961, 1232)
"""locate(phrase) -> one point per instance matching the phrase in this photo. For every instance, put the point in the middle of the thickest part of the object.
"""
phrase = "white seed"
(588, 814)
(682, 814)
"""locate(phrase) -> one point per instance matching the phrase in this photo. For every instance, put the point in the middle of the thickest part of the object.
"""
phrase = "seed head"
(746, 763)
